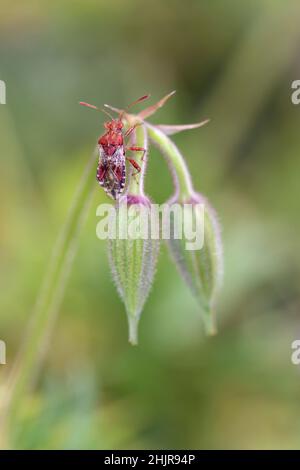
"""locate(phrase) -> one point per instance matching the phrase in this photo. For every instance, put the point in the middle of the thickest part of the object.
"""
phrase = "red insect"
(111, 171)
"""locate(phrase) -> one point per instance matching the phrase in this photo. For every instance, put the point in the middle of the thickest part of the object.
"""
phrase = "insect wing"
(111, 171)
(101, 172)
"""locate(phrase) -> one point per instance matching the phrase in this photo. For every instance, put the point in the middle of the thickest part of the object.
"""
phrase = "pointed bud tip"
(133, 330)
(211, 329)
(209, 320)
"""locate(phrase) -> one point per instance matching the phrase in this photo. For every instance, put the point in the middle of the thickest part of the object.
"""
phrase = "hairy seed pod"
(133, 256)
(202, 269)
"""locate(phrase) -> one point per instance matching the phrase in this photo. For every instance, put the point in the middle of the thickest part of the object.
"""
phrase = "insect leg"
(135, 165)
(131, 129)
(138, 149)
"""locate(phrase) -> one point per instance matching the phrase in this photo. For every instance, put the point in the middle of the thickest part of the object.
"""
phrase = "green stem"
(136, 184)
(182, 178)
(48, 302)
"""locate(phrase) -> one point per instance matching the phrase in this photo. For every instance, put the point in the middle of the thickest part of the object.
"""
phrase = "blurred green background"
(233, 62)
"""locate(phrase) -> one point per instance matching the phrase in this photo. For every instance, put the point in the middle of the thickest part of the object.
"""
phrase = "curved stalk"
(181, 176)
(140, 139)
(48, 302)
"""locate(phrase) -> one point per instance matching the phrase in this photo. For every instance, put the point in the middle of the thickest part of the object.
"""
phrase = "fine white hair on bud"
(202, 269)
(133, 256)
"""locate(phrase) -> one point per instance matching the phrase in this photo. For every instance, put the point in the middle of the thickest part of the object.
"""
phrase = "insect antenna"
(142, 98)
(123, 111)
(87, 105)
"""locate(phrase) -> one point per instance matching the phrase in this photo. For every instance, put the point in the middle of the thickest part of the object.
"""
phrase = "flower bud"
(133, 256)
(201, 268)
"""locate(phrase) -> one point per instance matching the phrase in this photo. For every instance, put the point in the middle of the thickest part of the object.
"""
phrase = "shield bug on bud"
(111, 170)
